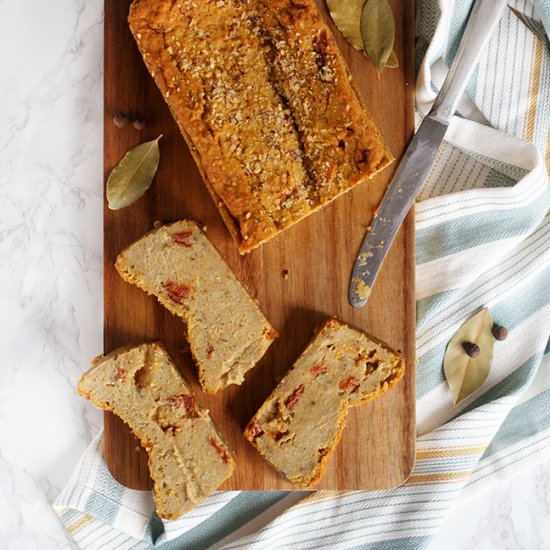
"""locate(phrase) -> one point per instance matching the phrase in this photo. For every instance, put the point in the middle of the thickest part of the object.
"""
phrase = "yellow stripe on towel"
(444, 453)
(438, 478)
(534, 90)
(79, 523)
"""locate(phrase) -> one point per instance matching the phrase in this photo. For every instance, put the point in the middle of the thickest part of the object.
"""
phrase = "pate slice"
(301, 422)
(188, 457)
(227, 332)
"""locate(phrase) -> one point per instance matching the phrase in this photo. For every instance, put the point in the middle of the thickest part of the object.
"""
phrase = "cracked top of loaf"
(266, 103)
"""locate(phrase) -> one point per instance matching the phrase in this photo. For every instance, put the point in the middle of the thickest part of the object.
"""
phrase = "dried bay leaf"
(465, 374)
(133, 175)
(378, 32)
(346, 15)
(392, 62)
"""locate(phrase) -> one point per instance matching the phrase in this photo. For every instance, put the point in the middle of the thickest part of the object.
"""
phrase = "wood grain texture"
(377, 448)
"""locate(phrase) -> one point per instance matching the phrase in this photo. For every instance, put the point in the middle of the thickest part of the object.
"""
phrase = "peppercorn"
(500, 333)
(120, 120)
(139, 123)
(471, 349)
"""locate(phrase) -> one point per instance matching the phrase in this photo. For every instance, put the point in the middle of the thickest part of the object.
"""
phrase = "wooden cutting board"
(377, 448)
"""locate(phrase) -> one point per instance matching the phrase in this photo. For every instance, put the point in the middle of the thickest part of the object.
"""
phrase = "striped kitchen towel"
(483, 239)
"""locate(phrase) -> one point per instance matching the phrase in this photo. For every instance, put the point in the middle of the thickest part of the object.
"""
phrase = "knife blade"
(421, 152)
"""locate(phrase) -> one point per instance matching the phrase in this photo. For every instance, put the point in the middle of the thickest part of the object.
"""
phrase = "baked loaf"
(226, 330)
(301, 422)
(188, 458)
(265, 101)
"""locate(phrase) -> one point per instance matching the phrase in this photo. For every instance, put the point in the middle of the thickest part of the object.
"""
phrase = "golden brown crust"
(264, 100)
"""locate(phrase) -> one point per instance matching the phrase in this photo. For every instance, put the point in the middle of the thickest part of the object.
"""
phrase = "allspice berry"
(139, 123)
(471, 349)
(500, 333)
(120, 120)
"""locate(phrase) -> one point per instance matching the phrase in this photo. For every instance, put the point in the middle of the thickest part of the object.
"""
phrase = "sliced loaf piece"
(301, 422)
(188, 457)
(227, 332)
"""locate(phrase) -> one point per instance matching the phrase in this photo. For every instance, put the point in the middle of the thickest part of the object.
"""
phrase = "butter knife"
(421, 152)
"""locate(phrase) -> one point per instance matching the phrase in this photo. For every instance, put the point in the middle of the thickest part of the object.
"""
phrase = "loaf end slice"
(227, 332)
(188, 457)
(265, 101)
(301, 422)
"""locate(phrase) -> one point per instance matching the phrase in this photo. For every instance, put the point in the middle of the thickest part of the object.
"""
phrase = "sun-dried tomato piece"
(316, 370)
(219, 450)
(210, 351)
(177, 292)
(120, 373)
(178, 400)
(290, 403)
(255, 430)
(181, 238)
(188, 403)
(349, 383)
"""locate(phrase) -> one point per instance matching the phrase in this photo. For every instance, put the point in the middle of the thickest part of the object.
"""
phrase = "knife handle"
(481, 23)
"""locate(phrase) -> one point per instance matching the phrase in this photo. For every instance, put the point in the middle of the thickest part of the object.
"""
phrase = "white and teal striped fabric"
(483, 239)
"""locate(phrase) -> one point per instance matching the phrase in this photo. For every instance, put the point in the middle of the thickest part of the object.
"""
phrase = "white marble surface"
(51, 285)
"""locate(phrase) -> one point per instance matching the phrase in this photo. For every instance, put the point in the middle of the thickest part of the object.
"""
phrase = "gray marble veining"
(51, 285)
